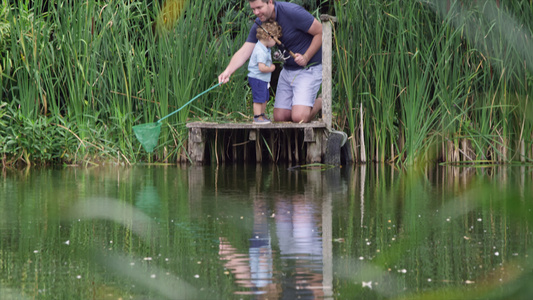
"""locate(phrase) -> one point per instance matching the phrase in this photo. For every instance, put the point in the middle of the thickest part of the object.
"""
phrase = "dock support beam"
(326, 68)
(196, 145)
(315, 147)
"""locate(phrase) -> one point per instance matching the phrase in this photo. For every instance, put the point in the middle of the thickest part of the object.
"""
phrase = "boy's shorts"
(260, 93)
(298, 87)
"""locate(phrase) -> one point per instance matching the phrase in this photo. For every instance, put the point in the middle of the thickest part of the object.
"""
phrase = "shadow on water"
(265, 232)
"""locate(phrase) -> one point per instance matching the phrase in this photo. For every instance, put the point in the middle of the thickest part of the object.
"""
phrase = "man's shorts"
(260, 93)
(298, 87)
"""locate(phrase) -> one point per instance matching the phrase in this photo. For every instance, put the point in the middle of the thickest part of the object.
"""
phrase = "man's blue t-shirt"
(261, 54)
(295, 22)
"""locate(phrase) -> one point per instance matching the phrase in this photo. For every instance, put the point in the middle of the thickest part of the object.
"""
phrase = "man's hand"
(223, 77)
(301, 59)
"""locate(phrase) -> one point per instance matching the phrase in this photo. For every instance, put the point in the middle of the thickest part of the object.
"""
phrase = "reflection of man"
(260, 248)
(297, 222)
(297, 229)
(255, 272)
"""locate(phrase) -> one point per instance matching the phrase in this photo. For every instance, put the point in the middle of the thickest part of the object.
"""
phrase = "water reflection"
(255, 270)
(263, 232)
(147, 200)
(286, 256)
(260, 247)
(300, 246)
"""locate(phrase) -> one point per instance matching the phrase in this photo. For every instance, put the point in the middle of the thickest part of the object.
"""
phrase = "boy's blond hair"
(272, 27)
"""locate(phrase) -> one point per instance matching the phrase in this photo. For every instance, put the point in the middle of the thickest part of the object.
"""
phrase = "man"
(301, 77)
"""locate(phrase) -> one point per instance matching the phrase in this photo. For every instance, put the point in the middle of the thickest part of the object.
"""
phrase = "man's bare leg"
(282, 115)
(306, 114)
(316, 108)
(299, 113)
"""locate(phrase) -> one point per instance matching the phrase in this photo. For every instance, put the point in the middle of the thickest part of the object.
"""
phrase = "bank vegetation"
(415, 82)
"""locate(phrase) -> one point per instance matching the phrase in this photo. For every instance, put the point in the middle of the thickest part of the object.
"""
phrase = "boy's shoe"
(261, 119)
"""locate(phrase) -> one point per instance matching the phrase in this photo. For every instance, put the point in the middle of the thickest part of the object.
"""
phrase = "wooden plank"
(196, 135)
(252, 136)
(258, 151)
(287, 138)
(273, 125)
(196, 145)
(296, 147)
(315, 150)
(327, 22)
(233, 148)
(309, 135)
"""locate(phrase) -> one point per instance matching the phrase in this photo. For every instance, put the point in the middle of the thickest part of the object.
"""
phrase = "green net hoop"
(148, 135)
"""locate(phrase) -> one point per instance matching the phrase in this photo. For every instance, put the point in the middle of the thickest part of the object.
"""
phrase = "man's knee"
(282, 115)
(300, 115)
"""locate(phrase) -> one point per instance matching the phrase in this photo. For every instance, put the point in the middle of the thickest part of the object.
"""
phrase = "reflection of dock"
(289, 254)
(276, 142)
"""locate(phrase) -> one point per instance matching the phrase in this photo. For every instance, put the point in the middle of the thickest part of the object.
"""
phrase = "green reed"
(344, 77)
(437, 80)
(493, 40)
(5, 29)
(416, 81)
(92, 70)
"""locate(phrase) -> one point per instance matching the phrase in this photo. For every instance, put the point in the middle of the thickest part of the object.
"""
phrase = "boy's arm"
(266, 69)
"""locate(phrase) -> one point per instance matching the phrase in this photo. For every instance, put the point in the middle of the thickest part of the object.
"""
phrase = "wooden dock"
(248, 142)
(278, 141)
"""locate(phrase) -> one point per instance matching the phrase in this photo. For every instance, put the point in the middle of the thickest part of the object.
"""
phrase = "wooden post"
(315, 149)
(258, 153)
(196, 145)
(326, 68)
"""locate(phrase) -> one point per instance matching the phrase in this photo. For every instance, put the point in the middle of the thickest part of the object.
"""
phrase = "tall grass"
(438, 80)
(91, 70)
(416, 81)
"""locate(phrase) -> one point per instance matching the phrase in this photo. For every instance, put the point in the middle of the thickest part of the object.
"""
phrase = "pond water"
(266, 232)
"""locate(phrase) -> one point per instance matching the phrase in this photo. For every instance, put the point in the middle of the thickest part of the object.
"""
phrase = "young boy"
(260, 68)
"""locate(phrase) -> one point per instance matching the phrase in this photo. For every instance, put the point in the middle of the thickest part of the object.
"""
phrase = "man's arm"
(316, 31)
(238, 59)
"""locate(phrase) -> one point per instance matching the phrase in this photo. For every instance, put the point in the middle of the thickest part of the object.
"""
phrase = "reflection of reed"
(362, 193)
(440, 225)
(425, 234)
(161, 281)
(152, 277)
(327, 247)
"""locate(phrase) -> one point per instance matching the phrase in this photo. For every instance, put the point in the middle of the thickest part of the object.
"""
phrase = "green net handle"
(170, 114)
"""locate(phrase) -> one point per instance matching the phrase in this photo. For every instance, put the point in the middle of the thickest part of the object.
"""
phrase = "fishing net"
(148, 135)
